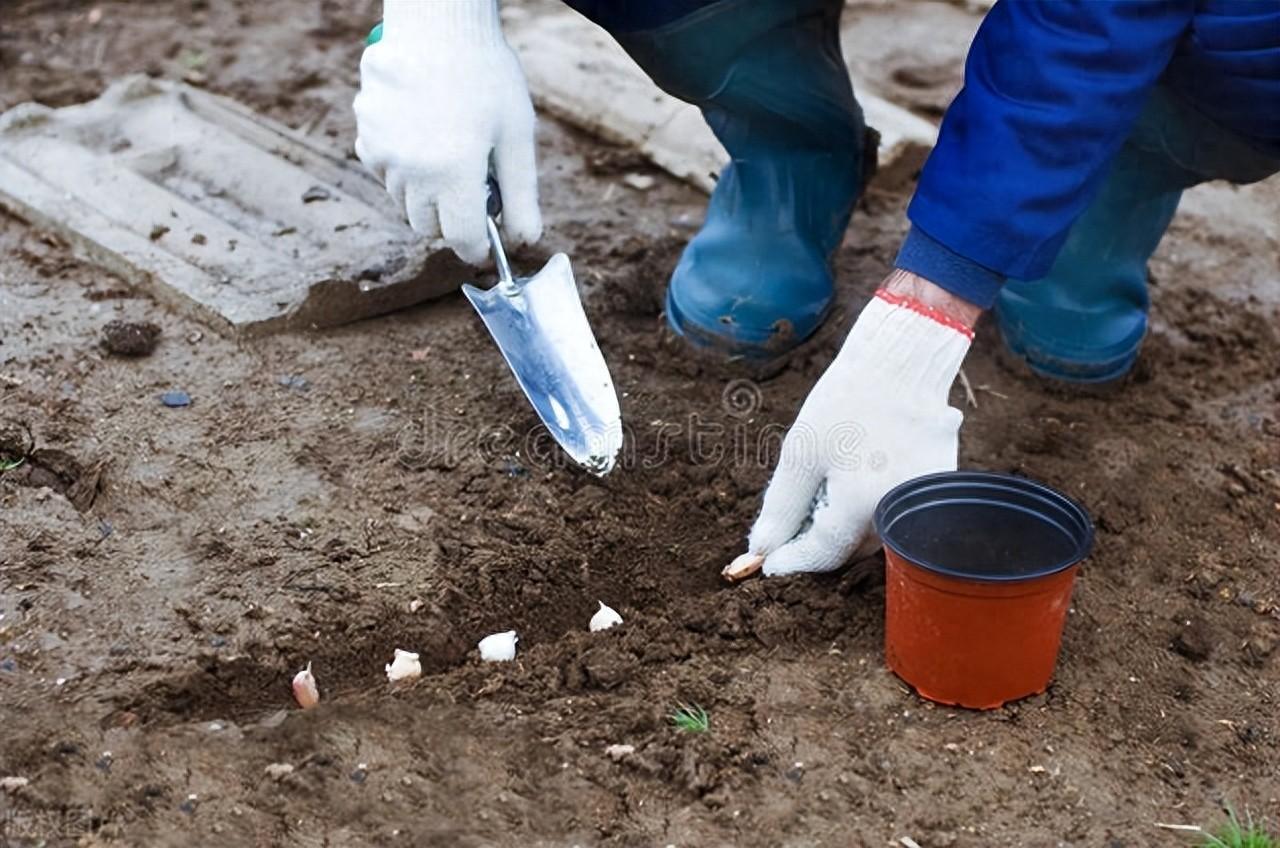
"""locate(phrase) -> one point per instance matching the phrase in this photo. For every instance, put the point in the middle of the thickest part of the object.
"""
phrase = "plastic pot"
(979, 570)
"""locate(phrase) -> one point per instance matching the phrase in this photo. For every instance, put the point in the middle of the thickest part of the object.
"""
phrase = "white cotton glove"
(876, 418)
(442, 99)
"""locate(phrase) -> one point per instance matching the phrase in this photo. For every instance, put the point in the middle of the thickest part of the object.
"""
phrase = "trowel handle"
(494, 208)
(495, 198)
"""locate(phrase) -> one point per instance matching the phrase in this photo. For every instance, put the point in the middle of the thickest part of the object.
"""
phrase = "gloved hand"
(876, 418)
(442, 97)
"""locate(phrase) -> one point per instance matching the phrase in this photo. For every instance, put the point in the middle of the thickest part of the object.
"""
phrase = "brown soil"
(166, 571)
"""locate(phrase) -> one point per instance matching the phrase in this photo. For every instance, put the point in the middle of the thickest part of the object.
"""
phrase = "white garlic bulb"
(498, 647)
(604, 618)
(305, 691)
(405, 666)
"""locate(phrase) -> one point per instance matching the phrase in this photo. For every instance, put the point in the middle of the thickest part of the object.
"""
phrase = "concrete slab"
(214, 209)
(579, 74)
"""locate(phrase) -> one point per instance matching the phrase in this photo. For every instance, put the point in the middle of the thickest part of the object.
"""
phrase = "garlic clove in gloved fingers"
(305, 691)
(742, 567)
(604, 618)
(498, 647)
(405, 666)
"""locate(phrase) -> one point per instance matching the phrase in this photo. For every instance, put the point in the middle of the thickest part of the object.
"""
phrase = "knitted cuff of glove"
(470, 23)
(907, 302)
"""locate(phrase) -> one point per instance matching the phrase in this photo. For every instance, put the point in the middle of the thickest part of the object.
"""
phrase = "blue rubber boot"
(1084, 322)
(771, 82)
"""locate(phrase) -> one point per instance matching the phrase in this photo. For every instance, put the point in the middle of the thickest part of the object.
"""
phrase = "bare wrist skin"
(907, 284)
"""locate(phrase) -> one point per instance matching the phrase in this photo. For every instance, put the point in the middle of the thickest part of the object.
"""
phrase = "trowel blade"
(542, 331)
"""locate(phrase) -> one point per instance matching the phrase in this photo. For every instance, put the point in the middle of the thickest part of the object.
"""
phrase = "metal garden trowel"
(542, 331)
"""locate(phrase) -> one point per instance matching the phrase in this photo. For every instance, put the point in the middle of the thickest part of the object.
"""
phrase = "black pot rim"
(996, 481)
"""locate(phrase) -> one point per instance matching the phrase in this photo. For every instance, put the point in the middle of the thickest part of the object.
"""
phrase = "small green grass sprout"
(690, 718)
(1240, 834)
(7, 464)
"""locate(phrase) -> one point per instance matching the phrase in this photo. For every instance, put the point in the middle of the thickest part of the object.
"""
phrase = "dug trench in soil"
(319, 482)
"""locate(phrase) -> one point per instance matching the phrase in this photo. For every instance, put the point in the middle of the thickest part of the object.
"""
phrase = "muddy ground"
(164, 572)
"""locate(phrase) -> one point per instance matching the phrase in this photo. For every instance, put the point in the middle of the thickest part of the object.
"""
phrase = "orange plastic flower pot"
(979, 570)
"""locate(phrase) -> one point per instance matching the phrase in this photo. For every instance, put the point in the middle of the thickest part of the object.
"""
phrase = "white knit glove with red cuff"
(877, 417)
(442, 97)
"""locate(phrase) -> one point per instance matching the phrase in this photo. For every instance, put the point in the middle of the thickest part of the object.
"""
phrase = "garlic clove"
(305, 691)
(405, 666)
(742, 567)
(278, 771)
(13, 783)
(604, 618)
(498, 647)
(619, 752)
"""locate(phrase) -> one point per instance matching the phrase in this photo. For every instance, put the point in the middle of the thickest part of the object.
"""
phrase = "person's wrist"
(906, 285)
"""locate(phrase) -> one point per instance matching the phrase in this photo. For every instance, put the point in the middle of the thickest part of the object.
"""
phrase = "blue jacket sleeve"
(1052, 89)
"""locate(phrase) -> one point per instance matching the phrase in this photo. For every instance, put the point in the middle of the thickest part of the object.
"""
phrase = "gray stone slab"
(578, 73)
(213, 209)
